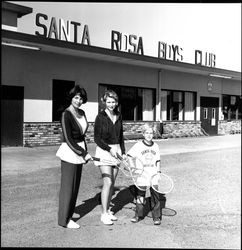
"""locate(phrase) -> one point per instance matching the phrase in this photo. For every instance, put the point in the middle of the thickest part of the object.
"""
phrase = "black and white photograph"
(121, 125)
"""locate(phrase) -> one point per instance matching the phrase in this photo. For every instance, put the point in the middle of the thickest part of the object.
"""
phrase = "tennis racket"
(161, 183)
(109, 162)
(136, 169)
(131, 166)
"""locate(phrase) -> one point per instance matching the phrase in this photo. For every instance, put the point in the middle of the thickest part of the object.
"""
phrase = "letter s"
(37, 22)
(131, 37)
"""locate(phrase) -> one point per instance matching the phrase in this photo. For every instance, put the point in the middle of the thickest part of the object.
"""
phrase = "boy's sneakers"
(105, 218)
(136, 219)
(157, 221)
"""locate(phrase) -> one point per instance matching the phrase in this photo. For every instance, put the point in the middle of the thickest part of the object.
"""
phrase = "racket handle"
(95, 158)
(120, 157)
(103, 160)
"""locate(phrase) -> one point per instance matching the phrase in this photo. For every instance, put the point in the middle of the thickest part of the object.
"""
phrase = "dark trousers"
(157, 202)
(70, 182)
(155, 205)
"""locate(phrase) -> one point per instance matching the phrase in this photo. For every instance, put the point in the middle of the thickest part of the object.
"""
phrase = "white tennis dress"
(66, 154)
(104, 154)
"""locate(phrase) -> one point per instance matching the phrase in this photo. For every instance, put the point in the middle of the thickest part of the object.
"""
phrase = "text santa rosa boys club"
(72, 31)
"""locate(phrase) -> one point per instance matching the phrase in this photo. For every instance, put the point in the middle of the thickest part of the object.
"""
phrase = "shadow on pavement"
(87, 206)
(124, 197)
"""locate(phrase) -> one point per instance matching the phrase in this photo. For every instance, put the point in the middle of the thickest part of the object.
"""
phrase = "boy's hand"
(125, 157)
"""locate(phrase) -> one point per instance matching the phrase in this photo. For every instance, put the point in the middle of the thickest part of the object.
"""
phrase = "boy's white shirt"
(149, 156)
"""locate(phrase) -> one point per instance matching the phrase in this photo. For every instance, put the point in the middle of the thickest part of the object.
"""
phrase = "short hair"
(109, 93)
(147, 126)
(78, 90)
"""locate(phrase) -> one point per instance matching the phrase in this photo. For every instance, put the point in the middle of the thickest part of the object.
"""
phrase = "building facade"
(182, 99)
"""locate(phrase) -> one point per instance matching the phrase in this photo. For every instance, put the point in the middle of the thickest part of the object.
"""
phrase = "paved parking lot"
(203, 211)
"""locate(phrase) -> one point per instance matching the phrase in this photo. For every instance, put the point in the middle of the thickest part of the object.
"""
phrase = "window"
(135, 104)
(190, 106)
(178, 105)
(60, 90)
(205, 113)
(213, 113)
(231, 107)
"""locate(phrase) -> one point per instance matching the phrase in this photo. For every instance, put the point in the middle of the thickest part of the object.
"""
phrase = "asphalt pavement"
(203, 210)
(20, 159)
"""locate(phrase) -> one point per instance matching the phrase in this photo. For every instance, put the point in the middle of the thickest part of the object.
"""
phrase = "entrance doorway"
(12, 115)
(60, 90)
(209, 114)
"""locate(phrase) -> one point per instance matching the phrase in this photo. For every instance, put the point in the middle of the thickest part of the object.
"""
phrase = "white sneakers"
(105, 218)
(108, 218)
(72, 224)
(112, 217)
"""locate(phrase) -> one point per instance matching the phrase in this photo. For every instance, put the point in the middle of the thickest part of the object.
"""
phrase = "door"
(12, 115)
(60, 101)
(209, 114)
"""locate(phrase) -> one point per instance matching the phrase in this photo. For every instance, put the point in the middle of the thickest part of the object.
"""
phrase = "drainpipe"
(158, 110)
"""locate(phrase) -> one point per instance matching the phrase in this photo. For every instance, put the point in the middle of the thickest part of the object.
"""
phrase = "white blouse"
(66, 154)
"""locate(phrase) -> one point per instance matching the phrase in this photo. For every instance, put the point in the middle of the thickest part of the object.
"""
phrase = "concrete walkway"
(24, 159)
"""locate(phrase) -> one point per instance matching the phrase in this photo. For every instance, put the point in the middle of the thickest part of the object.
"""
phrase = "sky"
(209, 27)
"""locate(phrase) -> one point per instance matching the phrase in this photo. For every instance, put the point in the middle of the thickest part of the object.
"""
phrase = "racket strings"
(130, 167)
(134, 168)
(124, 168)
(162, 183)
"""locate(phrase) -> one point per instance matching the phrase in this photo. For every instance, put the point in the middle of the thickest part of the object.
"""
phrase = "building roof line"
(99, 53)
(16, 8)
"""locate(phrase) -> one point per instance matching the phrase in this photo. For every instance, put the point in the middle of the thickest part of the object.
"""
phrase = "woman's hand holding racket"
(121, 162)
(130, 166)
(134, 168)
(105, 161)
(88, 158)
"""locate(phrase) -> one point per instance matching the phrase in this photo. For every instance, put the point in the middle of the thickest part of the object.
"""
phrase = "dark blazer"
(105, 132)
(72, 132)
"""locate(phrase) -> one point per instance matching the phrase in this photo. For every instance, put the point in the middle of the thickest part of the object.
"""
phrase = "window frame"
(136, 108)
(237, 106)
(170, 104)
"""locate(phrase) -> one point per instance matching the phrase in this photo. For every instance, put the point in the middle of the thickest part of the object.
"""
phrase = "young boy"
(148, 153)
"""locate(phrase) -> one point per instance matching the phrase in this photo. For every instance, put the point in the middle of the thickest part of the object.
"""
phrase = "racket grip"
(119, 156)
(95, 158)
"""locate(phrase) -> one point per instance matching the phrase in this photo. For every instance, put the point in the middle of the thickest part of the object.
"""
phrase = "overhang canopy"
(18, 9)
(98, 53)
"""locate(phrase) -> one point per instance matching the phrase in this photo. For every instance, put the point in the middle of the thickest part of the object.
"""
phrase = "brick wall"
(229, 127)
(41, 134)
(175, 129)
(47, 134)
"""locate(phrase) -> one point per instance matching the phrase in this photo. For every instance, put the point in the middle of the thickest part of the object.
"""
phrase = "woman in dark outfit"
(73, 154)
(108, 135)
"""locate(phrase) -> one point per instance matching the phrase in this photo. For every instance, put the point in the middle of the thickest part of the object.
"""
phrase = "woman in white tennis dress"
(108, 135)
